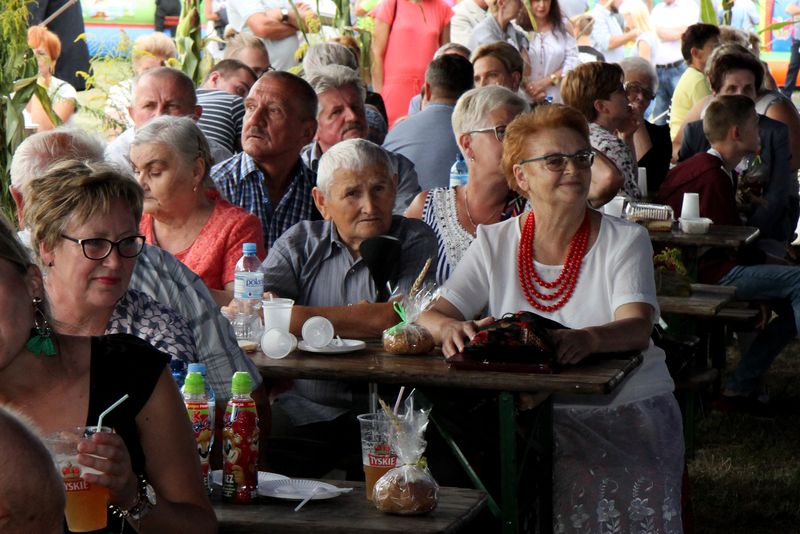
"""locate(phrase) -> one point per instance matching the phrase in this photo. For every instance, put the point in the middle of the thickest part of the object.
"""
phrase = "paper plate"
(335, 347)
(263, 478)
(294, 489)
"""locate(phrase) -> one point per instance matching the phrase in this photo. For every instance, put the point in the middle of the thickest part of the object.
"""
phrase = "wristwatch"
(145, 501)
(284, 15)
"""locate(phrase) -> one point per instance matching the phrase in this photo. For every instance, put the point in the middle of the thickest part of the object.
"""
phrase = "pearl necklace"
(565, 284)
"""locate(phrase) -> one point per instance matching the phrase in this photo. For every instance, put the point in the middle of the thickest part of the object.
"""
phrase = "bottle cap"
(194, 384)
(249, 248)
(197, 368)
(241, 383)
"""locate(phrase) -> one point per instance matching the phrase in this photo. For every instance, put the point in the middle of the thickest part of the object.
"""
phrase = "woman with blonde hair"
(250, 50)
(637, 16)
(63, 98)
(149, 51)
(149, 464)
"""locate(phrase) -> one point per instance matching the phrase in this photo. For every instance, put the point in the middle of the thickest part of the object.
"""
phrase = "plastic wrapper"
(406, 337)
(409, 488)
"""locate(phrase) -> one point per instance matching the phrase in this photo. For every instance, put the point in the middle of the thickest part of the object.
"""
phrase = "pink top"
(218, 246)
(413, 39)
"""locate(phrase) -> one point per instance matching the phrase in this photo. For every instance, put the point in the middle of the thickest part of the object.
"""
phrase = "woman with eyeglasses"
(454, 213)
(61, 381)
(183, 213)
(597, 90)
(84, 226)
(618, 458)
(651, 142)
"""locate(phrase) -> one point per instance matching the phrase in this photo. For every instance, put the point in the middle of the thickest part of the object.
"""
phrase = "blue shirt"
(241, 182)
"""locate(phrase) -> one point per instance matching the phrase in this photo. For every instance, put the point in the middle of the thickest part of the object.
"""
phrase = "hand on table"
(108, 454)
(572, 346)
(456, 332)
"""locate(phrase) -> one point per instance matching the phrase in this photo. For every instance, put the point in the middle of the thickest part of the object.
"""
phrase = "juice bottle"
(240, 443)
(196, 400)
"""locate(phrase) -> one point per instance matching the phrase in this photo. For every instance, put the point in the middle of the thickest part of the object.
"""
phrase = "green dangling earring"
(41, 340)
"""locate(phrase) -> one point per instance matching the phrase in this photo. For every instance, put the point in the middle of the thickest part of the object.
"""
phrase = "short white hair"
(473, 108)
(37, 153)
(324, 54)
(355, 155)
(336, 77)
(641, 66)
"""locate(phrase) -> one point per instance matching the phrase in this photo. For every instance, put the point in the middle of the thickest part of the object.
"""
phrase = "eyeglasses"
(582, 159)
(499, 131)
(97, 248)
(634, 88)
(269, 68)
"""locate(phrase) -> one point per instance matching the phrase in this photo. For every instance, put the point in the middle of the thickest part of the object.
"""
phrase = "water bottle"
(248, 288)
(197, 407)
(178, 369)
(459, 173)
(212, 398)
(240, 443)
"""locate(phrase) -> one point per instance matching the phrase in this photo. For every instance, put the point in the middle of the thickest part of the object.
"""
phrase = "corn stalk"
(190, 43)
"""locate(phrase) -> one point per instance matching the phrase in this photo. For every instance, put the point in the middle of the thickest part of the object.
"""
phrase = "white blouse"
(550, 51)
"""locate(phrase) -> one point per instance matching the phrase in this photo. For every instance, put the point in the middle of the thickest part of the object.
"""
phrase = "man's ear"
(19, 201)
(309, 130)
(198, 111)
(319, 200)
(212, 80)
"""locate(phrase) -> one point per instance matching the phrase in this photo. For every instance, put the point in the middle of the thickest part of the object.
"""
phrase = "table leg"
(508, 463)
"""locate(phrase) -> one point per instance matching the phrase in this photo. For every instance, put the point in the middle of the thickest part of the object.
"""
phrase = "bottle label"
(240, 452)
(203, 434)
(248, 285)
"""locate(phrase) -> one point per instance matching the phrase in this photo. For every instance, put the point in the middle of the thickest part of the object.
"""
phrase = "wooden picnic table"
(348, 513)
(706, 300)
(718, 236)
(596, 375)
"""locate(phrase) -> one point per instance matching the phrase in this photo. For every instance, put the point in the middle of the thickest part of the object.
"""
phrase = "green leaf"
(778, 25)
(707, 12)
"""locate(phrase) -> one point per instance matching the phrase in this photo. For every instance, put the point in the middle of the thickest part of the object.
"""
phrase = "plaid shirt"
(241, 182)
(161, 276)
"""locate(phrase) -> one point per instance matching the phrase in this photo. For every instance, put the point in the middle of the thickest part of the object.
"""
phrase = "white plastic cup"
(317, 332)
(614, 207)
(642, 182)
(690, 209)
(277, 343)
(277, 313)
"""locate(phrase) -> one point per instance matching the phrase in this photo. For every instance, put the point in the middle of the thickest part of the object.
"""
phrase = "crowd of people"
(125, 247)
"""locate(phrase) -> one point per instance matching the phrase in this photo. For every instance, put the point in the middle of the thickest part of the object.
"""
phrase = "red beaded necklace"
(565, 284)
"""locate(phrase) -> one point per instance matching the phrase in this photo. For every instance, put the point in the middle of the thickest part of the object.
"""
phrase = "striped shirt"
(311, 265)
(158, 274)
(241, 182)
(222, 117)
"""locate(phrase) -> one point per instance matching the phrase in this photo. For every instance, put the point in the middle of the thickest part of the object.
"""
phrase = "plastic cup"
(614, 207)
(642, 181)
(376, 454)
(277, 343)
(277, 313)
(317, 332)
(690, 209)
(86, 503)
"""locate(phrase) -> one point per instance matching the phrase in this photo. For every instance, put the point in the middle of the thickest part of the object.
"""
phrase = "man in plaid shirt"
(269, 178)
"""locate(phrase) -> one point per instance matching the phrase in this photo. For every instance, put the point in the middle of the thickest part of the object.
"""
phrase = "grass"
(746, 471)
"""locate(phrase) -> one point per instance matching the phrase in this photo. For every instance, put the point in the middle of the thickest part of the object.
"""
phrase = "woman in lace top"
(553, 50)
(454, 213)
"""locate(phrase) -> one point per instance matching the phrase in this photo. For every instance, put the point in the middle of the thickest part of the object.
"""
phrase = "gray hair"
(185, 84)
(355, 155)
(473, 108)
(641, 66)
(41, 150)
(336, 77)
(325, 54)
(452, 48)
(181, 135)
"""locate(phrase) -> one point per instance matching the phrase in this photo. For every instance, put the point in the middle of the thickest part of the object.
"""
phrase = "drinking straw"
(399, 398)
(105, 412)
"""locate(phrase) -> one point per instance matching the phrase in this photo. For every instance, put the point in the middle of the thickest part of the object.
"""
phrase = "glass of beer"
(86, 503)
(376, 453)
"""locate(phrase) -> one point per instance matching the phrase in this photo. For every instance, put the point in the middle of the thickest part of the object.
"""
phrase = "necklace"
(469, 216)
(565, 284)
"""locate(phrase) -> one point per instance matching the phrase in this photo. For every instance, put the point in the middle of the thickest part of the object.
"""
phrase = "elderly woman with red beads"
(618, 458)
